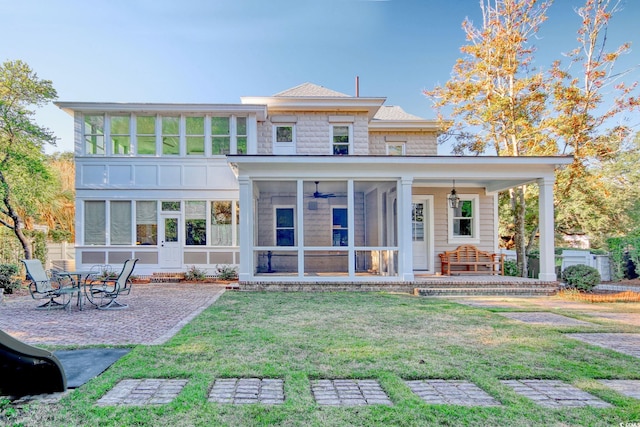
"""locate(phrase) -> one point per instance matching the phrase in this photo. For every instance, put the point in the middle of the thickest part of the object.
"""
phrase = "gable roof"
(309, 89)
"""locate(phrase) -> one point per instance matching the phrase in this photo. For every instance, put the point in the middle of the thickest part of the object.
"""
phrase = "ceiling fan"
(318, 195)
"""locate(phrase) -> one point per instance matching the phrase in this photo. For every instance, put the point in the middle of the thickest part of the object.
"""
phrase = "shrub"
(226, 272)
(8, 280)
(194, 274)
(511, 268)
(581, 277)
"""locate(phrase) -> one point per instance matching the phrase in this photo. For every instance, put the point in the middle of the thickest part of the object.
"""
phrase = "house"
(306, 185)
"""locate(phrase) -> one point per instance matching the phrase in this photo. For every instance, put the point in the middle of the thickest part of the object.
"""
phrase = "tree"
(585, 108)
(494, 91)
(24, 176)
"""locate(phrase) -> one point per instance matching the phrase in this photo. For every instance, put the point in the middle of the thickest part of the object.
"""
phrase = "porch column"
(405, 247)
(547, 230)
(245, 270)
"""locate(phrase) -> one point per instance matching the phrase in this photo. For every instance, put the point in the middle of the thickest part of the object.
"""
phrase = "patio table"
(79, 279)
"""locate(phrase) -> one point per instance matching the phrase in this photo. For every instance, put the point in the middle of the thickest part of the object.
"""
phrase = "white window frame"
(349, 126)
(475, 220)
(85, 133)
(284, 147)
(402, 145)
(333, 227)
(276, 228)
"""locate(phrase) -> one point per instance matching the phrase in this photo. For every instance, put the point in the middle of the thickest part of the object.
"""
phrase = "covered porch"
(352, 219)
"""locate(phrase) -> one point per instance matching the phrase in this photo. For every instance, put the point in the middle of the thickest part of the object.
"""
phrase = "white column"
(245, 271)
(405, 247)
(547, 232)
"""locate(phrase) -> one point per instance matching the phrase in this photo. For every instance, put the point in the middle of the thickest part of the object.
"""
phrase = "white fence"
(599, 262)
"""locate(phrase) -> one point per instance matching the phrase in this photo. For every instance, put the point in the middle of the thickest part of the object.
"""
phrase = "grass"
(304, 336)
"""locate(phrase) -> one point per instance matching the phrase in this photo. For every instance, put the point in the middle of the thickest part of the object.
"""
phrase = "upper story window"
(220, 136)
(194, 130)
(241, 135)
(146, 134)
(284, 134)
(120, 134)
(170, 136)
(395, 149)
(94, 134)
(464, 220)
(341, 139)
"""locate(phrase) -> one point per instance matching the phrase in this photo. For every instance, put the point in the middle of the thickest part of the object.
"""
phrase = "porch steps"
(493, 289)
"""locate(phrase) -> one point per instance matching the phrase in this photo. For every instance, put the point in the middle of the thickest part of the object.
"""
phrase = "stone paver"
(142, 392)
(247, 390)
(156, 312)
(622, 343)
(544, 318)
(630, 388)
(345, 392)
(554, 394)
(451, 392)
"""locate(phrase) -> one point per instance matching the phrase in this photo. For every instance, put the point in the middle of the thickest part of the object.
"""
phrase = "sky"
(215, 51)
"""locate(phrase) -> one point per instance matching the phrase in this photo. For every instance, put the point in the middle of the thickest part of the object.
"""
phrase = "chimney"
(357, 86)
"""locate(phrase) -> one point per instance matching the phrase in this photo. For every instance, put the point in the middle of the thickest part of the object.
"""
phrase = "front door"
(421, 232)
(170, 243)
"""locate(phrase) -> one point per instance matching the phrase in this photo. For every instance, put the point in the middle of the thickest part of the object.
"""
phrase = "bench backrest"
(468, 253)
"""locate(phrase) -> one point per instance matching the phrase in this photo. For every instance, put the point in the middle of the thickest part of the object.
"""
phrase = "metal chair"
(57, 289)
(103, 291)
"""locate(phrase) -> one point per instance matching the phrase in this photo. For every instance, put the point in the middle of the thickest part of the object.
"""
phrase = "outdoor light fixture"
(454, 200)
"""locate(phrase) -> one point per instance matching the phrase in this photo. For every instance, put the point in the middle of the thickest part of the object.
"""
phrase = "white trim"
(402, 145)
(275, 226)
(349, 127)
(284, 147)
(475, 224)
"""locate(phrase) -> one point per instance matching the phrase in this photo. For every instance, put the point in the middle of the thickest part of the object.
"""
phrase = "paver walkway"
(156, 312)
(630, 388)
(544, 318)
(247, 390)
(623, 343)
(142, 392)
(554, 394)
(344, 392)
(451, 392)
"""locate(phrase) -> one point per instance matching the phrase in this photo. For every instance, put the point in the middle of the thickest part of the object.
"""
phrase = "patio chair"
(57, 289)
(104, 291)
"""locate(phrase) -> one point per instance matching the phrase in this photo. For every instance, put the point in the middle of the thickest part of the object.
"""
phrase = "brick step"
(482, 285)
(486, 291)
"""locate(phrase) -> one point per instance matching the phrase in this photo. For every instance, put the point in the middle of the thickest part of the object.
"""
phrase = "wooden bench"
(473, 260)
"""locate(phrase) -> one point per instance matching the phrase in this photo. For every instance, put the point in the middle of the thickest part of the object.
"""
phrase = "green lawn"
(304, 336)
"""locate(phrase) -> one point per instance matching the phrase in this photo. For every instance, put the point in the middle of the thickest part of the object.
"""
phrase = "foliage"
(8, 280)
(581, 277)
(511, 268)
(195, 274)
(226, 272)
(622, 250)
(39, 242)
(25, 178)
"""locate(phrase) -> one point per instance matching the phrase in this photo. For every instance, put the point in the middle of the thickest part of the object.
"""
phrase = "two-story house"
(305, 185)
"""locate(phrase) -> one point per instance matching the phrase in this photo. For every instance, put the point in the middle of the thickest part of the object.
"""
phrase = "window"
(284, 134)
(146, 223)
(221, 223)
(241, 135)
(195, 136)
(340, 236)
(340, 139)
(120, 222)
(464, 221)
(220, 136)
(146, 134)
(95, 223)
(93, 134)
(285, 226)
(195, 223)
(171, 206)
(395, 149)
(120, 134)
(171, 136)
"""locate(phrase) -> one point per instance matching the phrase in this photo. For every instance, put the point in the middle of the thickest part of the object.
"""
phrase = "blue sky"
(215, 51)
